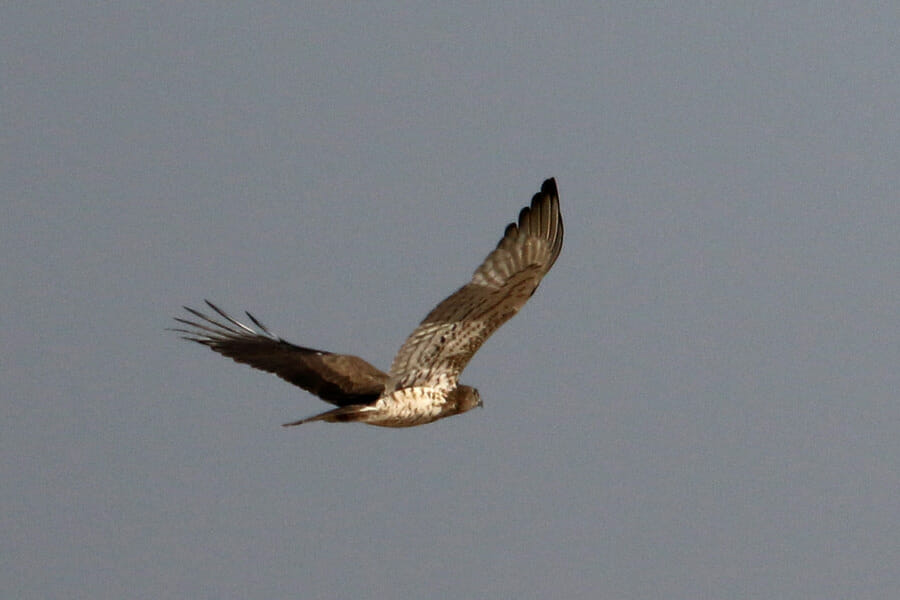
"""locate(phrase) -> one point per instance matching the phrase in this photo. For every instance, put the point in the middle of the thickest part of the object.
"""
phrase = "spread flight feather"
(422, 383)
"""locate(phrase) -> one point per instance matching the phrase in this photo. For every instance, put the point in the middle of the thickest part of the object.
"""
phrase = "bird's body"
(406, 407)
(422, 383)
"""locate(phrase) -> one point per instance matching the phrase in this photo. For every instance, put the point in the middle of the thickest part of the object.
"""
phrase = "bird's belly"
(408, 407)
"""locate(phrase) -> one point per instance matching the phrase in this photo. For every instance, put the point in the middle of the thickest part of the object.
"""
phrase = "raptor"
(422, 384)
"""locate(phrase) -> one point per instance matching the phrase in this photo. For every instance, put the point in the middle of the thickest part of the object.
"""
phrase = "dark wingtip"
(549, 187)
(537, 218)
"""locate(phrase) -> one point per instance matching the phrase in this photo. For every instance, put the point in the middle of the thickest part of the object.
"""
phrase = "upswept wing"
(336, 378)
(442, 345)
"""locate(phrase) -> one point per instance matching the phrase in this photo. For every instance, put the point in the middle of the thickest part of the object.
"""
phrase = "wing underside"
(442, 345)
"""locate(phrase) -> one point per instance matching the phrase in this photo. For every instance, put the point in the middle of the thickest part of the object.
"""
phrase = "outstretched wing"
(336, 378)
(442, 345)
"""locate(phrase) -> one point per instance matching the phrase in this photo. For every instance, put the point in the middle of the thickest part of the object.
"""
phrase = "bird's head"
(466, 398)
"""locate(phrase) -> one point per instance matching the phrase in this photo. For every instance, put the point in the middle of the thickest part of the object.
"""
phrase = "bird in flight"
(422, 384)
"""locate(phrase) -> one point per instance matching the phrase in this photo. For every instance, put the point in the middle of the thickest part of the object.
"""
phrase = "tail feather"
(343, 414)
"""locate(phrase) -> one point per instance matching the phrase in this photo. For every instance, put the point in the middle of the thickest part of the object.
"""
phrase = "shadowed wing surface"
(340, 379)
(442, 345)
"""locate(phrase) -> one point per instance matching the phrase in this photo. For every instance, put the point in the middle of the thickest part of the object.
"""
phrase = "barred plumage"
(422, 383)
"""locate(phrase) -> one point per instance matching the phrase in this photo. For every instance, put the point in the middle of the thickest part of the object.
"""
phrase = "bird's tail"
(343, 414)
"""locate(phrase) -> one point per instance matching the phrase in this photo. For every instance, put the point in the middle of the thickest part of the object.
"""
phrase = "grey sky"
(700, 401)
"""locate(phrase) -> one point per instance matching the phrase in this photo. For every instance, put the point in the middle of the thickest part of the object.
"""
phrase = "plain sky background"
(701, 400)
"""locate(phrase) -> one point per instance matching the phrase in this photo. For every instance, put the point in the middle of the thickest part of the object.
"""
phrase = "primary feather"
(422, 383)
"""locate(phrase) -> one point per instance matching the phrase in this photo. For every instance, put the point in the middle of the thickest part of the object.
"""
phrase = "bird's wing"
(336, 378)
(442, 345)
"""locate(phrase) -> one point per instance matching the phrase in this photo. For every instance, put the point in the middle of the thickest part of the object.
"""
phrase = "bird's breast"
(411, 406)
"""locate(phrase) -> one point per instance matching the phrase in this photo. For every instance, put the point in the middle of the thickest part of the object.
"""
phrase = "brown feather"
(340, 379)
(445, 341)
(422, 385)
